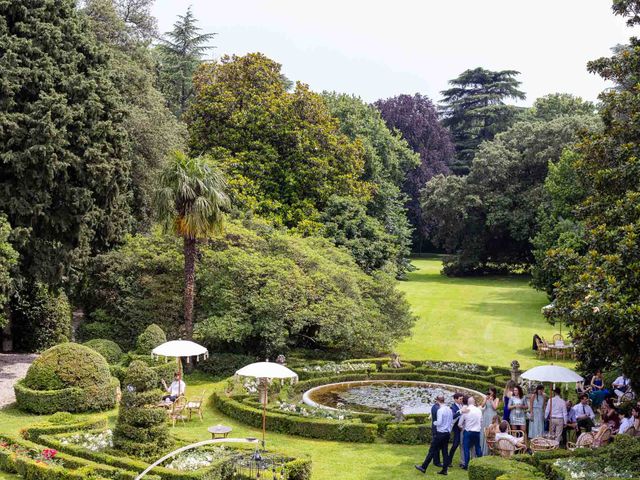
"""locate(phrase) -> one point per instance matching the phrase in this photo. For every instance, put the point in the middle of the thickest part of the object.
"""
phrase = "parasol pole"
(263, 393)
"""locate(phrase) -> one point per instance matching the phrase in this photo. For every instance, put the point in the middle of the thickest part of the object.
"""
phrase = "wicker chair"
(540, 444)
(490, 437)
(558, 338)
(177, 411)
(506, 449)
(602, 437)
(585, 440)
(631, 431)
(194, 405)
(543, 349)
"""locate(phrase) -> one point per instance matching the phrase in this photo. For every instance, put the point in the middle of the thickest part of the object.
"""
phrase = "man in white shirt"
(471, 424)
(556, 412)
(620, 386)
(174, 390)
(584, 414)
(440, 441)
(517, 442)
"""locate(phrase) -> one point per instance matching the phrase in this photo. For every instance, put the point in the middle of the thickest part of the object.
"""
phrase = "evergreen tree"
(153, 130)
(474, 110)
(180, 52)
(65, 173)
(8, 259)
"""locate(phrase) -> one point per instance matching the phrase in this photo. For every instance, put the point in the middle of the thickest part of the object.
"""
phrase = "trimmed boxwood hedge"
(381, 362)
(346, 431)
(71, 399)
(408, 434)
(492, 468)
(34, 432)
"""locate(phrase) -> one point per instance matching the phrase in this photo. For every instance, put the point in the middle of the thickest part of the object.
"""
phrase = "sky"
(378, 49)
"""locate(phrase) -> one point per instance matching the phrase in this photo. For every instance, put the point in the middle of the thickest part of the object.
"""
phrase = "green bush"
(345, 431)
(141, 429)
(491, 468)
(150, 338)
(623, 453)
(67, 365)
(40, 318)
(408, 434)
(224, 364)
(61, 418)
(34, 432)
(110, 350)
(72, 399)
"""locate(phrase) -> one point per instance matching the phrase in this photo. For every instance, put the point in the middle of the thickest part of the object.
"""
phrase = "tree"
(416, 118)
(488, 218)
(474, 110)
(152, 129)
(8, 259)
(190, 203)
(387, 158)
(65, 173)
(598, 291)
(180, 52)
(559, 104)
(282, 152)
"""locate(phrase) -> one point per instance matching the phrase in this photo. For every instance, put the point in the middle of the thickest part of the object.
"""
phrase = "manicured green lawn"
(484, 320)
(489, 320)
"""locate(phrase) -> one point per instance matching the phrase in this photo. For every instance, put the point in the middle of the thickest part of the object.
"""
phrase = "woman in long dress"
(536, 407)
(517, 409)
(489, 411)
(508, 391)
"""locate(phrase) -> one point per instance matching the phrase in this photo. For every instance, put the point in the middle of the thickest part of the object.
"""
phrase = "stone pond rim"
(307, 396)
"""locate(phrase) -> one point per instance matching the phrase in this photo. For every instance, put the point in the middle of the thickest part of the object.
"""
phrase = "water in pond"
(412, 397)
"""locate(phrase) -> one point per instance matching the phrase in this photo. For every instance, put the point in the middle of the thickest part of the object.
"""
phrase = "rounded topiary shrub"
(110, 350)
(68, 377)
(152, 336)
(142, 429)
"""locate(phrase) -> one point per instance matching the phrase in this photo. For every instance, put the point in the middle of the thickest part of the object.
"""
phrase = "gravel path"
(13, 367)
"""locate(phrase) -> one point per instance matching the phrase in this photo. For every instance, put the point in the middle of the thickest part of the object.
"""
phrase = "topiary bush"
(492, 468)
(141, 429)
(152, 336)
(70, 378)
(110, 350)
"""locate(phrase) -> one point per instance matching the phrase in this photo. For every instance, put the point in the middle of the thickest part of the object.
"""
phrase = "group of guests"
(463, 422)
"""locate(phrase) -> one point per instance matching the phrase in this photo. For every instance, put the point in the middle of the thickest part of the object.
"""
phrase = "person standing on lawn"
(440, 442)
(456, 408)
(471, 422)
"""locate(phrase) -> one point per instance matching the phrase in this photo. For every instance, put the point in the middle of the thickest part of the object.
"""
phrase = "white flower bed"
(194, 460)
(306, 411)
(336, 367)
(95, 442)
(579, 468)
(454, 367)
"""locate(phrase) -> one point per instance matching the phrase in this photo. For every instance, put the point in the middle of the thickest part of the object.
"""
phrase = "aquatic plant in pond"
(382, 396)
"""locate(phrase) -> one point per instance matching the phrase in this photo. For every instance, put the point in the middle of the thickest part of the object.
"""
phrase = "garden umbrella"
(180, 349)
(551, 374)
(264, 372)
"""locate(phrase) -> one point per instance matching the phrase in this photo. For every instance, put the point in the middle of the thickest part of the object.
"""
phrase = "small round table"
(221, 430)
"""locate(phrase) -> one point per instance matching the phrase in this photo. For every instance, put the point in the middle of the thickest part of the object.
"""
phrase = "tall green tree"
(8, 259)
(181, 50)
(124, 27)
(65, 172)
(488, 218)
(283, 152)
(474, 110)
(190, 202)
(387, 159)
(599, 290)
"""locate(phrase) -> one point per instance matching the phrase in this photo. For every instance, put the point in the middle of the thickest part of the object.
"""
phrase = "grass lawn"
(485, 320)
(489, 320)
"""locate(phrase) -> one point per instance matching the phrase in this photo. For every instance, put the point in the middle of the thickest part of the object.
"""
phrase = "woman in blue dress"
(508, 391)
(517, 409)
(598, 392)
(536, 407)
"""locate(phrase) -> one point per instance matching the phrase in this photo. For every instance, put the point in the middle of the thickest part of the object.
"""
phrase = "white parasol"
(551, 374)
(264, 372)
(180, 349)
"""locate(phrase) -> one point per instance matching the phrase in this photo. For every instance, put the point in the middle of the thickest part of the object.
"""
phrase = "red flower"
(49, 453)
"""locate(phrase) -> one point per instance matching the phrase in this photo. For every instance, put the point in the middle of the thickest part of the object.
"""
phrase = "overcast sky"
(377, 49)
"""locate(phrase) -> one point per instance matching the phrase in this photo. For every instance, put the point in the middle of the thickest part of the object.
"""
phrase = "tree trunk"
(189, 284)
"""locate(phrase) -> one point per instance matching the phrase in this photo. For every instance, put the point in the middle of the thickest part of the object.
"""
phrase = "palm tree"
(190, 202)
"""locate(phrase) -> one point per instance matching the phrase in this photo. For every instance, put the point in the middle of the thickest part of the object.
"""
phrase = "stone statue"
(395, 361)
(281, 359)
(515, 371)
(398, 416)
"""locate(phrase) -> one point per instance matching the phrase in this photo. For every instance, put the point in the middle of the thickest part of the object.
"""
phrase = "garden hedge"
(408, 434)
(72, 399)
(34, 432)
(345, 431)
(492, 468)
(109, 349)
(150, 338)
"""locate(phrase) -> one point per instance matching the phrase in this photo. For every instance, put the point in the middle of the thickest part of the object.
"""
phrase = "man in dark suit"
(434, 432)
(456, 409)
